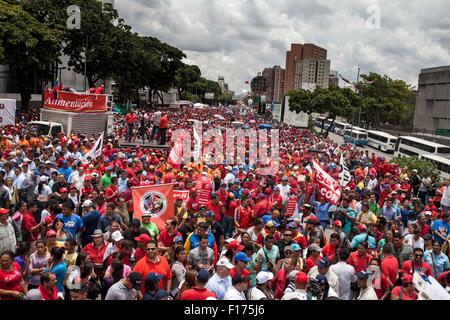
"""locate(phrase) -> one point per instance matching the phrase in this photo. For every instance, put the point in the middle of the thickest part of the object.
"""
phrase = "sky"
(239, 38)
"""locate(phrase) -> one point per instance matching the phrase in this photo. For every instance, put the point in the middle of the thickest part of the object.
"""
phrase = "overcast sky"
(238, 38)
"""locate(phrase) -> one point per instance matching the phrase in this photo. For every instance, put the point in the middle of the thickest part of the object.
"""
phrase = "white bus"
(382, 141)
(340, 127)
(412, 146)
(443, 164)
(355, 137)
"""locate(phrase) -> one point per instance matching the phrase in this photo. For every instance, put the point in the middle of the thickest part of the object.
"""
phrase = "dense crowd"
(67, 229)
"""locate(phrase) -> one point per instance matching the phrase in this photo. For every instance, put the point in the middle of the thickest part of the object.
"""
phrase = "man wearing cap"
(141, 241)
(406, 291)
(315, 251)
(262, 207)
(281, 278)
(240, 260)
(229, 177)
(8, 240)
(199, 291)
(301, 281)
(365, 284)
(106, 178)
(149, 226)
(221, 280)
(262, 290)
(66, 170)
(126, 289)
(323, 267)
(90, 220)
(285, 189)
(96, 249)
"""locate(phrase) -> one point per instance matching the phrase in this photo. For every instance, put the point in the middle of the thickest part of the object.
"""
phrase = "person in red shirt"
(276, 199)
(130, 119)
(243, 217)
(223, 193)
(389, 265)
(360, 259)
(229, 210)
(192, 204)
(48, 288)
(112, 191)
(251, 183)
(280, 278)
(142, 241)
(262, 207)
(314, 251)
(215, 205)
(163, 124)
(29, 224)
(406, 291)
(380, 283)
(423, 227)
(330, 248)
(417, 264)
(96, 250)
(199, 292)
(165, 238)
(241, 260)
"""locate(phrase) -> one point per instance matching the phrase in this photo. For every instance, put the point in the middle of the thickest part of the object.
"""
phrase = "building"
(297, 53)
(312, 71)
(275, 77)
(221, 82)
(334, 79)
(433, 99)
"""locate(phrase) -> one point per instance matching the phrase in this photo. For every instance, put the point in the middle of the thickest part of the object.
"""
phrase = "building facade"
(433, 99)
(275, 76)
(298, 53)
(312, 71)
(334, 79)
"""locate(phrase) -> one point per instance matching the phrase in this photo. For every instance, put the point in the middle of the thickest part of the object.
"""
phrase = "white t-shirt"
(256, 294)
(409, 239)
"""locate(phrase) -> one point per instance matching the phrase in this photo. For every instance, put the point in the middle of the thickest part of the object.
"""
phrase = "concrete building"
(275, 76)
(297, 53)
(334, 79)
(433, 99)
(221, 82)
(312, 71)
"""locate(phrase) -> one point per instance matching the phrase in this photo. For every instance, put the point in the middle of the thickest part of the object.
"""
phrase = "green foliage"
(311, 125)
(423, 167)
(186, 78)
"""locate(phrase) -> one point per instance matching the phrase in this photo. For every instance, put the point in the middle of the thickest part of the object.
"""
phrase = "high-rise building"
(312, 71)
(334, 79)
(433, 99)
(221, 82)
(297, 53)
(275, 76)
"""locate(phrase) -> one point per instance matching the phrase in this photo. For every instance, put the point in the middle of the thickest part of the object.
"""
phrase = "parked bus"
(443, 164)
(340, 127)
(355, 137)
(382, 141)
(412, 146)
(327, 123)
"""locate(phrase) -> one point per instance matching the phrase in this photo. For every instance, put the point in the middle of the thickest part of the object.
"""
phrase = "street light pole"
(85, 65)
(357, 91)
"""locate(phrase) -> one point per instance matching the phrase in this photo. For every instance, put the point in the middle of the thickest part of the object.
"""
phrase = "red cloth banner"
(290, 206)
(328, 187)
(204, 196)
(156, 200)
(183, 194)
(75, 102)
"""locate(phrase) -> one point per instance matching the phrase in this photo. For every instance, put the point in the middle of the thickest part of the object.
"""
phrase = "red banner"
(74, 102)
(156, 200)
(328, 187)
(183, 194)
(290, 206)
(204, 196)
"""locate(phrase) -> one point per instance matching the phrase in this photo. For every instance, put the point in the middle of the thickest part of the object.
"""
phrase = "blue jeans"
(129, 132)
(155, 129)
(228, 226)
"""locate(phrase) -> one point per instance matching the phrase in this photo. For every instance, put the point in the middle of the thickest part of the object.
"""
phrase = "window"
(408, 152)
(443, 150)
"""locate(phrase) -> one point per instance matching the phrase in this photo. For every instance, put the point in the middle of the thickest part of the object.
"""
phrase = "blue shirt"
(361, 237)
(322, 210)
(90, 221)
(71, 223)
(390, 214)
(60, 272)
(219, 285)
(348, 223)
(442, 227)
(66, 172)
(437, 263)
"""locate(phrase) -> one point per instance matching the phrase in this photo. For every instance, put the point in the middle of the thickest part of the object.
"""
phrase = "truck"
(53, 121)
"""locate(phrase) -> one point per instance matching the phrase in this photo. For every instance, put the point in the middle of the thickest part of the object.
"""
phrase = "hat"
(203, 275)
(117, 236)
(312, 219)
(144, 238)
(94, 174)
(43, 179)
(240, 256)
(323, 263)
(4, 211)
(51, 233)
(322, 279)
(234, 245)
(264, 276)
(62, 190)
(292, 275)
(363, 275)
(146, 214)
(288, 248)
(306, 205)
(202, 206)
(301, 278)
(64, 162)
(362, 227)
(210, 213)
(178, 239)
(272, 223)
(87, 203)
(153, 277)
(285, 179)
(97, 233)
(295, 247)
(224, 262)
(407, 278)
(292, 225)
(414, 170)
(337, 224)
(136, 279)
(228, 168)
(312, 247)
(135, 223)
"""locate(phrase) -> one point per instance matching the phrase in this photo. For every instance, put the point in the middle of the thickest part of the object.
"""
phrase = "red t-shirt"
(28, 222)
(423, 267)
(245, 217)
(383, 283)
(10, 280)
(94, 253)
(244, 273)
(389, 267)
(358, 262)
(197, 294)
(399, 292)
(231, 208)
(301, 240)
(192, 204)
(45, 295)
(328, 251)
(166, 238)
(110, 191)
(309, 263)
(216, 208)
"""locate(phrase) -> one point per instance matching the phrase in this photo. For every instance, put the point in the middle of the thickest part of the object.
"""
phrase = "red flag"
(156, 200)
(328, 187)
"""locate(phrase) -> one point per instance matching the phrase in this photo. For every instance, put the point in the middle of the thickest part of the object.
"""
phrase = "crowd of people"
(68, 230)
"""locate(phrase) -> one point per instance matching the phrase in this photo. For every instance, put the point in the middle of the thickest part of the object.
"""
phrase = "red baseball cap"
(407, 278)
(312, 219)
(361, 227)
(4, 211)
(143, 238)
(301, 278)
(51, 233)
(63, 190)
(337, 224)
(234, 245)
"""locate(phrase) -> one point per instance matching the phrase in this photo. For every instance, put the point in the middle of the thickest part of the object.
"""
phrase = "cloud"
(239, 38)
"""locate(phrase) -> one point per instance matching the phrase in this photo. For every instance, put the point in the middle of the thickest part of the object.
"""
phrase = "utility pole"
(357, 91)
(85, 65)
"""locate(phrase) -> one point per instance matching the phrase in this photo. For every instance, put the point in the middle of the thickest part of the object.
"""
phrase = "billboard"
(74, 102)
(276, 111)
(209, 96)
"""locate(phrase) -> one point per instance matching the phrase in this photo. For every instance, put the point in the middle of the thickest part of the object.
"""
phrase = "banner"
(344, 175)
(74, 102)
(204, 196)
(183, 194)
(290, 206)
(95, 152)
(7, 112)
(328, 187)
(156, 200)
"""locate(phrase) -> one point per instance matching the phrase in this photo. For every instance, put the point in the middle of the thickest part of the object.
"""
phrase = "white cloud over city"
(238, 38)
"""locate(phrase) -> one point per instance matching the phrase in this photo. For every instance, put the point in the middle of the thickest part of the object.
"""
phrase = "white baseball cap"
(87, 203)
(263, 277)
(117, 236)
(224, 262)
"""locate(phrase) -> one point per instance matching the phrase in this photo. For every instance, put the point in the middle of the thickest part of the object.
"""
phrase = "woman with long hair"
(12, 285)
(114, 274)
(189, 281)
(58, 267)
(13, 192)
(39, 261)
(61, 235)
(178, 269)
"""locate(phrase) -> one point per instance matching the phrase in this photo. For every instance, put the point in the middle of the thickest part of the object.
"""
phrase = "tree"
(186, 78)
(424, 168)
(26, 45)
(301, 101)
